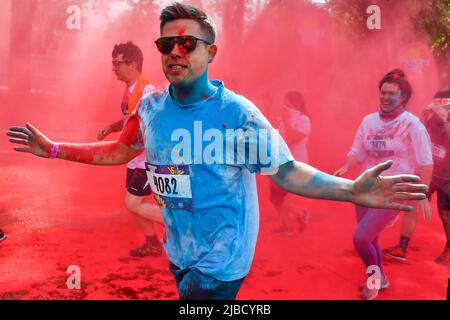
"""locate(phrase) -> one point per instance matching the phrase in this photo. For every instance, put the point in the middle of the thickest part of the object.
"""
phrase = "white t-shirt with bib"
(404, 140)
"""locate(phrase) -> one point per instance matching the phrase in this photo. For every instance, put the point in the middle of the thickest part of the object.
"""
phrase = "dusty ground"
(58, 214)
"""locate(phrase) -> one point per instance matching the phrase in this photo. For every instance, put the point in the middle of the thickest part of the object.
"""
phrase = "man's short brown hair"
(186, 11)
(130, 53)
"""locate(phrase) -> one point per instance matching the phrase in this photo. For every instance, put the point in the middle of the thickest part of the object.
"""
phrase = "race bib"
(171, 185)
(380, 146)
(438, 151)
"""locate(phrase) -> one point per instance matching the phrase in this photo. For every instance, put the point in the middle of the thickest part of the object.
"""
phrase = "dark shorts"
(442, 188)
(277, 194)
(136, 182)
(194, 285)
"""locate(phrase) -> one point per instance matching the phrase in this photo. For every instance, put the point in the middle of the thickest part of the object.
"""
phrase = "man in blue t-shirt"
(205, 186)
(204, 144)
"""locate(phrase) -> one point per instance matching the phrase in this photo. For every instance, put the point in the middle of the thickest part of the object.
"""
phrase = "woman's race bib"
(380, 145)
(438, 151)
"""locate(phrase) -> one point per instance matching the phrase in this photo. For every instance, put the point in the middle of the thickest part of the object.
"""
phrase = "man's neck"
(200, 90)
(129, 82)
(387, 116)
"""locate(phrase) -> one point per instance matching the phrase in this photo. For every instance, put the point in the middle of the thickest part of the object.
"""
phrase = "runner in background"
(390, 133)
(127, 61)
(436, 120)
(295, 127)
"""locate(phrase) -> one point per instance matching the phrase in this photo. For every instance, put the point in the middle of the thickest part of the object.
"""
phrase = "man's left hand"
(371, 190)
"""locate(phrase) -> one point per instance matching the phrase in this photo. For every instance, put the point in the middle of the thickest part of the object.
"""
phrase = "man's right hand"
(103, 132)
(98, 153)
(34, 140)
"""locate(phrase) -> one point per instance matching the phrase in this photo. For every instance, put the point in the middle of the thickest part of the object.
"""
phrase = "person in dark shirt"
(437, 121)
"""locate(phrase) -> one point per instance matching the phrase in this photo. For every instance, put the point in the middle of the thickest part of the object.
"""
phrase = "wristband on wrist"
(54, 151)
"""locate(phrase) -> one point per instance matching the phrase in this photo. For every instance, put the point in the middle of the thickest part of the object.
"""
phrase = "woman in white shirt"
(391, 133)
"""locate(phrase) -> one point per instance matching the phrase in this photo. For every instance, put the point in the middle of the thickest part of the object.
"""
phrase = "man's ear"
(212, 51)
(134, 63)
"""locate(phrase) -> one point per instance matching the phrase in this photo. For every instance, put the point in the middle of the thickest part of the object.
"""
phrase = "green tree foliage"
(433, 22)
(430, 19)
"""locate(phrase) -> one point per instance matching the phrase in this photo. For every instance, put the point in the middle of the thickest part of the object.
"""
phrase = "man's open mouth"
(175, 67)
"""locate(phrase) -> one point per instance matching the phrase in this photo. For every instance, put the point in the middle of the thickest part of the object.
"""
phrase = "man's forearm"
(100, 153)
(117, 126)
(302, 179)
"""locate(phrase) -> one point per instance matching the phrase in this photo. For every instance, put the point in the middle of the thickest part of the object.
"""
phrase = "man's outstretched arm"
(99, 153)
(369, 189)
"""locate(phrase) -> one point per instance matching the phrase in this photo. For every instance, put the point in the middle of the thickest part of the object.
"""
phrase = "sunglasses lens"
(188, 43)
(165, 46)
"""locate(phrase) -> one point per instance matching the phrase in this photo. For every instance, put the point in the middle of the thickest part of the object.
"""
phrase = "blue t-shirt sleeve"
(265, 149)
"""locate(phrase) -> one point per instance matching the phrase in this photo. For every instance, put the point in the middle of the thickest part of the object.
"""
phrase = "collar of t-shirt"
(217, 83)
(131, 87)
(394, 114)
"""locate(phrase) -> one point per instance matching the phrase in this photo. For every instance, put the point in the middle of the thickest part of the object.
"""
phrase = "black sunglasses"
(186, 43)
